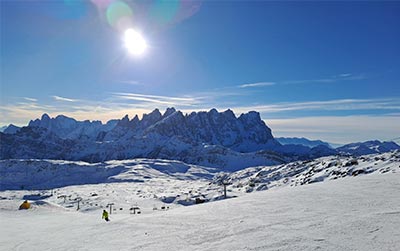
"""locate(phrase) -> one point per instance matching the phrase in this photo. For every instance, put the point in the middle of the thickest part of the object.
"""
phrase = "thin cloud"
(58, 98)
(155, 99)
(30, 99)
(259, 84)
(331, 79)
(329, 105)
(130, 82)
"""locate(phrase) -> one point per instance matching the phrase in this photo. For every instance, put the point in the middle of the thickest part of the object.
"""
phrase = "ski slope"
(352, 213)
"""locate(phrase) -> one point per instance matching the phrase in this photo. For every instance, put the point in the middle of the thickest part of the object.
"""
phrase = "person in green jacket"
(105, 215)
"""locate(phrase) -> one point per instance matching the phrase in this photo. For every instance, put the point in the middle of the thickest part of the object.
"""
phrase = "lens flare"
(134, 42)
(119, 15)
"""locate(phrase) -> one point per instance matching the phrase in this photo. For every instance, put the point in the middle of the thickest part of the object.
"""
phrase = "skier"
(105, 215)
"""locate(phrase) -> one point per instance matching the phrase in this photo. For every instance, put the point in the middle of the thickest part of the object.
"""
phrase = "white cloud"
(58, 98)
(30, 99)
(259, 84)
(131, 82)
(160, 100)
(328, 105)
(331, 79)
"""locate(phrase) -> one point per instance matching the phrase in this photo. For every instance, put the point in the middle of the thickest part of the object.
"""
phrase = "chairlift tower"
(225, 183)
(78, 200)
(110, 205)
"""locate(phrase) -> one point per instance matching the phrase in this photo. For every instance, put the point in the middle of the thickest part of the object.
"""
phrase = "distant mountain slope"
(301, 141)
(368, 147)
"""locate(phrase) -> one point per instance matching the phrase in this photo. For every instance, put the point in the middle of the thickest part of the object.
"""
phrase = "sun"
(134, 42)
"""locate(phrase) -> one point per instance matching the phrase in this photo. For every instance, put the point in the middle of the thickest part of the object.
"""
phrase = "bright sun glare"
(134, 42)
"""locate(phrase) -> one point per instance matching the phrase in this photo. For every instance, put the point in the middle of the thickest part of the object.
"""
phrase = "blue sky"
(323, 70)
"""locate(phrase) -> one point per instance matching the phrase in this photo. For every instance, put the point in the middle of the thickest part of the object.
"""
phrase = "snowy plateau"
(162, 179)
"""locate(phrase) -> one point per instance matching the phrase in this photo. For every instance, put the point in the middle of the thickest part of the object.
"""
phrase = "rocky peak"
(134, 122)
(213, 111)
(62, 121)
(250, 117)
(42, 122)
(151, 118)
(124, 122)
(45, 117)
(168, 112)
(229, 114)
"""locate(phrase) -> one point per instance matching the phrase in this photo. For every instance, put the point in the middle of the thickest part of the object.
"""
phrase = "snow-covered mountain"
(301, 141)
(245, 134)
(216, 139)
(368, 147)
(68, 128)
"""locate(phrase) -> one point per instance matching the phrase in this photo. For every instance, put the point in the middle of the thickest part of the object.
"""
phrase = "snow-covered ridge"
(368, 147)
(307, 172)
(164, 181)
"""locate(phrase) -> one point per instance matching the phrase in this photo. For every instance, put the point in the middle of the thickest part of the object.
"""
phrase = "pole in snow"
(110, 205)
(78, 200)
(225, 183)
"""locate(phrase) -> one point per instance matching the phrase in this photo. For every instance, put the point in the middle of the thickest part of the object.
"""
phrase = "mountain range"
(302, 141)
(215, 139)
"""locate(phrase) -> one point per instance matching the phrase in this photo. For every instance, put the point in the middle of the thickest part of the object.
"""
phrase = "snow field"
(359, 213)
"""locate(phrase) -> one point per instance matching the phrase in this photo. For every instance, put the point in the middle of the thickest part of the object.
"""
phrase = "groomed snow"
(353, 213)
